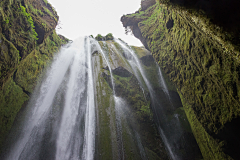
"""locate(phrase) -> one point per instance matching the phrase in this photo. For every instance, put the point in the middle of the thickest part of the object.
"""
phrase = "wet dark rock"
(120, 71)
(106, 68)
(95, 52)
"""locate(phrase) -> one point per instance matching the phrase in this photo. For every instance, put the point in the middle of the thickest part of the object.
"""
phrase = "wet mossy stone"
(122, 72)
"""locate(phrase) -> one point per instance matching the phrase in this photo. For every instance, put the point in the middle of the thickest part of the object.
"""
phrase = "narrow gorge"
(177, 97)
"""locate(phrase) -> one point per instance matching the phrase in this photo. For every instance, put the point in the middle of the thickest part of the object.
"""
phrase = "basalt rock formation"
(200, 56)
(28, 41)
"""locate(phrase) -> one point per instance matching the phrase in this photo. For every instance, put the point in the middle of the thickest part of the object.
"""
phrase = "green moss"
(99, 37)
(107, 139)
(48, 12)
(12, 98)
(46, 2)
(36, 61)
(36, 11)
(6, 21)
(109, 36)
(210, 147)
(30, 21)
(145, 111)
(9, 59)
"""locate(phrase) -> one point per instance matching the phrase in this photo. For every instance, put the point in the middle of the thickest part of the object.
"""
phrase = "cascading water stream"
(71, 132)
(71, 109)
(162, 120)
(90, 119)
(108, 64)
(162, 82)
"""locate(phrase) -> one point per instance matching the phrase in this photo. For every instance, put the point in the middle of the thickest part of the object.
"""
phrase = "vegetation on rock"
(99, 37)
(108, 37)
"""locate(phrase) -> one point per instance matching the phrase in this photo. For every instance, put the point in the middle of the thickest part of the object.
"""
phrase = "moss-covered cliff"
(202, 59)
(27, 42)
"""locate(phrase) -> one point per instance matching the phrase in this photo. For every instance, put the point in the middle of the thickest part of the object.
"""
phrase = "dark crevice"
(230, 135)
(169, 24)
(40, 32)
(22, 3)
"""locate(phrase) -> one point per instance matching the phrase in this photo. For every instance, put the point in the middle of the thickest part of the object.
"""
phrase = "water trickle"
(162, 81)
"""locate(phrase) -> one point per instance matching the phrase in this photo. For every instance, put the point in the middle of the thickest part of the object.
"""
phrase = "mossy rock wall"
(122, 127)
(23, 57)
(203, 68)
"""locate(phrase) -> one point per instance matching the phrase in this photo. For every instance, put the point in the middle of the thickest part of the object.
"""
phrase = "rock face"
(145, 4)
(27, 42)
(204, 66)
(120, 71)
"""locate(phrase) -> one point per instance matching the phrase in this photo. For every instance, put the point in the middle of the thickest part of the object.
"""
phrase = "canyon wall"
(201, 58)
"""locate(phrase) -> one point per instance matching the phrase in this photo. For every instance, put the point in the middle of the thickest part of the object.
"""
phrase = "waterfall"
(71, 75)
(82, 91)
